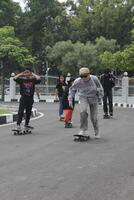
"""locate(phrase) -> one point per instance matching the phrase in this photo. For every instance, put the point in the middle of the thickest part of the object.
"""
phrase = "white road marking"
(40, 115)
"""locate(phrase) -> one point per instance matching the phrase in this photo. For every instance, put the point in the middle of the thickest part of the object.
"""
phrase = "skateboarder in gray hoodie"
(90, 94)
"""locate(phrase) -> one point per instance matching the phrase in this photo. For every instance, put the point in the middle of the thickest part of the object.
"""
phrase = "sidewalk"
(9, 118)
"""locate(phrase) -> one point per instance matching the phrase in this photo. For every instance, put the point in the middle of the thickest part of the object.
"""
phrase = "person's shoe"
(106, 116)
(97, 136)
(18, 128)
(111, 114)
(30, 127)
(61, 118)
(82, 132)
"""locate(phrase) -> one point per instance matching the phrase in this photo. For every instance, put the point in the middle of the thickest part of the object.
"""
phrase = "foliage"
(110, 19)
(9, 12)
(123, 60)
(69, 57)
(12, 51)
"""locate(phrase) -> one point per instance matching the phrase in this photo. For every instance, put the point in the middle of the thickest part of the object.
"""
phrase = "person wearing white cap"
(90, 93)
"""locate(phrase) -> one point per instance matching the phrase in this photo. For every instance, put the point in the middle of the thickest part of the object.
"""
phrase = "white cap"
(84, 71)
(12, 74)
(125, 73)
(68, 74)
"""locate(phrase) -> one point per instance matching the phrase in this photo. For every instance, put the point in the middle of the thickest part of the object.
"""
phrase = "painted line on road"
(40, 115)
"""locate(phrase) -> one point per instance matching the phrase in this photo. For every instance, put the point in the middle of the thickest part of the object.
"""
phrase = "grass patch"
(4, 111)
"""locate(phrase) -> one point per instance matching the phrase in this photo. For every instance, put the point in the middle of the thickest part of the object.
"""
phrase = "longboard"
(22, 131)
(81, 138)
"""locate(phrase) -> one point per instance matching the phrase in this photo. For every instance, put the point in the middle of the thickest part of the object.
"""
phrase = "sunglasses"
(84, 76)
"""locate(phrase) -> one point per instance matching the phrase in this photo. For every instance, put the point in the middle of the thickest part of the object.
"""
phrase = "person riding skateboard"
(27, 80)
(90, 90)
(108, 82)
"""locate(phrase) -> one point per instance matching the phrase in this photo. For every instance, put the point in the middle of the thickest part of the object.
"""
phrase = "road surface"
(49, 165)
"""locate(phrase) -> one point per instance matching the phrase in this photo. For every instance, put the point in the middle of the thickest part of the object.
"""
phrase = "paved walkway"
(49, 165)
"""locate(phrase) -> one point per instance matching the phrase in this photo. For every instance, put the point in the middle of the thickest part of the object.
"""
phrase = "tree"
(12, 53)
(70, 57)
(120, 60)
(111, 19)
(9, 12)
(44, 23)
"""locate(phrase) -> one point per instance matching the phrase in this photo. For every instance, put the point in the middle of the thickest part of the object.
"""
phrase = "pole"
(47, 69)
(2, 81)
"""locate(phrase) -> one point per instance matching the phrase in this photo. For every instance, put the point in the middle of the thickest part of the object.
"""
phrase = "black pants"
(108, 96)
(26, 103)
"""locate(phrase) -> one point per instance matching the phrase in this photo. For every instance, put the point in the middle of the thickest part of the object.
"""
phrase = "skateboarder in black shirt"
(108, 82)
(27, 80)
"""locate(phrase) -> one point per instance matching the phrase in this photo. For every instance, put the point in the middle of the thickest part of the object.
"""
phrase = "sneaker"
(61, 118)
(97, 136)
(27, 126)
(18, 128)
(111, 114)
(82, 132)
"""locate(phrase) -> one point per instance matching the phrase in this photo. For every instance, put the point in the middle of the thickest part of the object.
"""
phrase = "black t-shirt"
(60, 88)
(27, 85)
(107, 81)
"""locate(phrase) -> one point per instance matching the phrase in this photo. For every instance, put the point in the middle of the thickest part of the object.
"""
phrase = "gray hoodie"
(91, 88)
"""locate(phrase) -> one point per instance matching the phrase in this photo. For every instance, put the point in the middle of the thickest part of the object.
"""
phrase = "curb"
(9, 118)
(123, 105)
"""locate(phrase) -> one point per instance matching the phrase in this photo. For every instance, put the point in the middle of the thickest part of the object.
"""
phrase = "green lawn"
(4, 111)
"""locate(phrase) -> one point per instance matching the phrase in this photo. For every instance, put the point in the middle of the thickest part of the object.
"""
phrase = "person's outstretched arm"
(17, 76)
(36, 76)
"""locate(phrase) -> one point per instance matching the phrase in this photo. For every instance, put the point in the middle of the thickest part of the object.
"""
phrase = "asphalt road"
(49, 165)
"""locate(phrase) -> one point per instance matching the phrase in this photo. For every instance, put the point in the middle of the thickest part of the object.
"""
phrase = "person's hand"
(99, 101)
(70, 103)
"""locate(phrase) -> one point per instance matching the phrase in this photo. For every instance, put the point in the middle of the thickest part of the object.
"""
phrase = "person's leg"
(94, 118)
(29, 105)
(110, 100)
(105, 108)
(70, 114)
(66, 117)
(20, 111)
(60, 106)
(83, 114)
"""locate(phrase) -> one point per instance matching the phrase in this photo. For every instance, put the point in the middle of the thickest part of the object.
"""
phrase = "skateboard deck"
(81, 138)
(22, 131)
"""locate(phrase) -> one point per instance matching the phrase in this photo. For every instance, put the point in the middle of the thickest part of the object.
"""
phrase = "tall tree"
(111, 19)
(9, 12)
(43, 23)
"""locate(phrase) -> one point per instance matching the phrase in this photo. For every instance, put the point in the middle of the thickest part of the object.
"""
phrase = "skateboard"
(68, 125)
(22, 131)
(81, 138)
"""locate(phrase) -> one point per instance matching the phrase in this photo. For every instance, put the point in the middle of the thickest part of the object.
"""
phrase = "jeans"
(26, 103)
(60, 106)
(108, 96)
(93, 106)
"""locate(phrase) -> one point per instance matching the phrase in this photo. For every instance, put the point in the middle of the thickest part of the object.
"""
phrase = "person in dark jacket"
(68, 111)
(27, 80)
(60, 89)
(108, 82)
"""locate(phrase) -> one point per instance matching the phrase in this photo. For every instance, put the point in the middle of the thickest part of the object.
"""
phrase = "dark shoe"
(30, 127)
(106, 116)
(111, 114)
